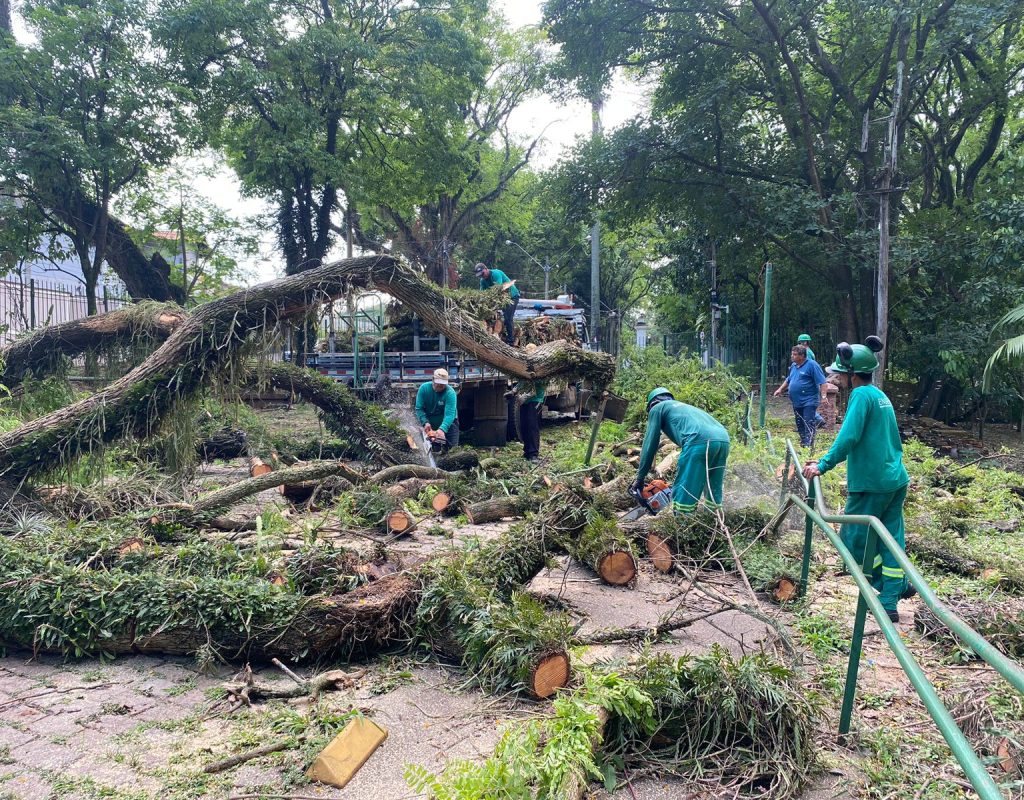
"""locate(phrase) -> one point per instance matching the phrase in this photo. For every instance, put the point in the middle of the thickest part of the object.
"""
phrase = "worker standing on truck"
(876, 479)
(495, 277)
(436, 409)
(705, 449)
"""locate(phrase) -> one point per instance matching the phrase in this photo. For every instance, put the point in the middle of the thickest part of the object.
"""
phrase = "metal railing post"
(805, 564)
(857, 642)
(764, 338)
(785, 479)
(32, 303)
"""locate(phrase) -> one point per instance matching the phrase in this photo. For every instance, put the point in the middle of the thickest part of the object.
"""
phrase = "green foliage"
(742, 722)
(822, 634)
(713, 391)
(698, 537)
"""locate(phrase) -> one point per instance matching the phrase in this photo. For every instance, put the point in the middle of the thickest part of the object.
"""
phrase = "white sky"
(563, 124)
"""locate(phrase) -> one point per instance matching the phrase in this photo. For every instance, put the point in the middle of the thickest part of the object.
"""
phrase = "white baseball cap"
(441, 376)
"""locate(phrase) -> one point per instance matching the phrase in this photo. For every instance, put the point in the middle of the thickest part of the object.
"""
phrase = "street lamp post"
(546, 267)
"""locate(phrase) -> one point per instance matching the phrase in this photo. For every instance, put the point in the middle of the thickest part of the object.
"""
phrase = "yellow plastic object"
(347, 752)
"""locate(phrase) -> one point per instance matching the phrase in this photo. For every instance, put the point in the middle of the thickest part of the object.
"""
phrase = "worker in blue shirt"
(806, 385)
(437, 410)
(495, 277)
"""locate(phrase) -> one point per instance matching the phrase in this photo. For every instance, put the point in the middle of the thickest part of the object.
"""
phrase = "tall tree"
(86, 110)
(764, 117)
(444, 176)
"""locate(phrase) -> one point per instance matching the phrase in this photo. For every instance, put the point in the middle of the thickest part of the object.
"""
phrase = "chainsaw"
(654, 497)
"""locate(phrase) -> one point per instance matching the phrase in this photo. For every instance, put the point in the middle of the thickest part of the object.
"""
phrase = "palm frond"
(1012, 317)
(1010, 350)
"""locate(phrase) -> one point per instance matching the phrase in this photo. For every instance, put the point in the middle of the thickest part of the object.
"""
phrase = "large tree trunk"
(344, 415)
(146, 278)
(214, 336)
(40, 351)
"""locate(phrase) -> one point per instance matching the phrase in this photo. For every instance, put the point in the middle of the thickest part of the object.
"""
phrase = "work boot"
(909, 592)
(894, 616)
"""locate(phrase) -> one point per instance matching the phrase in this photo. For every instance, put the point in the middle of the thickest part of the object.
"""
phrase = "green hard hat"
(854, 358)
(656, 393)
(803, 337)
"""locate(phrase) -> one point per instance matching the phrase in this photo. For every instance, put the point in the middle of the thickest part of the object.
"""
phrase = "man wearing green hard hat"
(805, 340)
(705, 449)
(876, 479)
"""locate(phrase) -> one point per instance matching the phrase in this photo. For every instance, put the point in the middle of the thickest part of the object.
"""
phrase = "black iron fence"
(29, 304)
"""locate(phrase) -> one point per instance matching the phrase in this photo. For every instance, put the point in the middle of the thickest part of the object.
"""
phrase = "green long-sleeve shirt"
(870, 441)
(437, 408)
(683, 424)
(537, 387)
(497, 278)
(810, 354)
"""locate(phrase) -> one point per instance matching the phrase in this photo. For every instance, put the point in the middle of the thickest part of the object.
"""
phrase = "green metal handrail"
(867, 598)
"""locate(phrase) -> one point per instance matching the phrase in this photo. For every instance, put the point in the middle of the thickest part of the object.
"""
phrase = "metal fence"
(30, 304)
(742, 348)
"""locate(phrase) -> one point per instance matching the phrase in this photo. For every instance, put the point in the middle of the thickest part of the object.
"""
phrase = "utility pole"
(714, 306)
(595, 239)
(888, 172)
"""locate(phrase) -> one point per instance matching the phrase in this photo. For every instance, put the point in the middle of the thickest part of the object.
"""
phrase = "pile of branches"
(1000, 621)
(543, 329)
(743, 726)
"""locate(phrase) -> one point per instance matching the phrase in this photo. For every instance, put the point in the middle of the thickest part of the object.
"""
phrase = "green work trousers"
(885, 574)
(700, 470)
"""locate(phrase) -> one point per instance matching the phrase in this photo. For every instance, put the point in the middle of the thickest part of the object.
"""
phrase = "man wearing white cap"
(436, 410)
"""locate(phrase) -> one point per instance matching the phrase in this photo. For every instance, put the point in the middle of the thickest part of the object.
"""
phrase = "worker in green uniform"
(532, 393)
(705, 449)
(436, 409)
(875, 476)
(805, 340)
(495, 277)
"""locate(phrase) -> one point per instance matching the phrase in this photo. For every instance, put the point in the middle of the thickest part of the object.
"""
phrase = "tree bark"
(41, 351)
(210, 340)
(344, 414)
(497, 509)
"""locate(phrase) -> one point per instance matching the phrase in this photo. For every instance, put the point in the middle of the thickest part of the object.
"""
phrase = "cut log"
(606, 550)
(312, 471)
(258, 467)
(42, 351)
(401, 472)
(616, 490)
(497, 509)
(666, 464)
(459, 460)
(550, 674)
(399, 522)
(661, 552)
(410, 487)
(204, 344)
(440, 502)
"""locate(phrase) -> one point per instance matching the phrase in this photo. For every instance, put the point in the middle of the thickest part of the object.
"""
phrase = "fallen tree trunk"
(42, 350)
(343, 414)
(226, 444)
(410, 487)
(289, 476)
(497, 509)
(215, 335)
(116, 611)
(458, 461)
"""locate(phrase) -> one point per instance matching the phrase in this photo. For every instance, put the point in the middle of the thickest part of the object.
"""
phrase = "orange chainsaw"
(654, 497)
